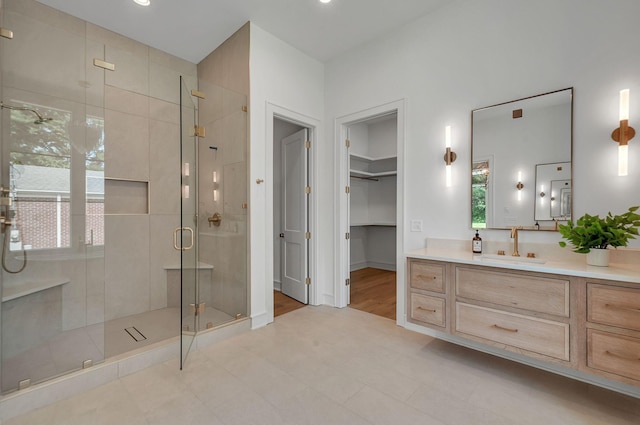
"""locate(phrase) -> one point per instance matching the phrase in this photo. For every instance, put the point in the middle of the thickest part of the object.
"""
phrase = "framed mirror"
(521, 162)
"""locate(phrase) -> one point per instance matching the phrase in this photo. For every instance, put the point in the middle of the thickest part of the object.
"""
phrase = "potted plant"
(592, 235)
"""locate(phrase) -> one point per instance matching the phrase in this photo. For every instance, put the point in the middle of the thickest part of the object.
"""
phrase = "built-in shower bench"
(25, 288)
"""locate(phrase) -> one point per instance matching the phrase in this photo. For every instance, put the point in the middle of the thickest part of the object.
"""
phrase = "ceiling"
(191, 29)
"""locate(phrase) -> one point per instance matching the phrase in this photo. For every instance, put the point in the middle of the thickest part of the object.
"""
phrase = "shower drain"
(135, 334)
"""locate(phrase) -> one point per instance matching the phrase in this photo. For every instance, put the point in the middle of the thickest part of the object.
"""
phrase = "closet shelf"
(370, 159)
(373, 224)
(367, 174)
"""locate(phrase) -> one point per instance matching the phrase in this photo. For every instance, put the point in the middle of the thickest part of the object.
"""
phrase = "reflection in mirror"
(521, 149)
(553, 184)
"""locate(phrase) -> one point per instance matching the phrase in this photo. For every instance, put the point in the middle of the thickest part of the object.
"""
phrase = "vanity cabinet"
(524, 313)
(613, 330)
(583, 327)
(428, 293)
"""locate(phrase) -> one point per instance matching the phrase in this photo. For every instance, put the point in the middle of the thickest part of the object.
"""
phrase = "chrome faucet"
(514, 236)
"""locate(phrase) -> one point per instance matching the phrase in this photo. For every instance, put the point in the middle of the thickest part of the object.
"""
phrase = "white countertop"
(615, 271)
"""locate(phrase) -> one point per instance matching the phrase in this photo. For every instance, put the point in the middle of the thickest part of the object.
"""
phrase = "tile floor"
(320, 365)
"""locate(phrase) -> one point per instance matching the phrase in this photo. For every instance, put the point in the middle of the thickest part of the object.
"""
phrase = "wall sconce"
(623, 134)
(215, 186)
(449, 155)
(185, 180)
(520, 186)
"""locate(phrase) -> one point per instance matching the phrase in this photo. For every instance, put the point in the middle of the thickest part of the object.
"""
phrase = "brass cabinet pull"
(423, 277)
(621, 356)
(505, 329)
(426, 309)
(619, 307)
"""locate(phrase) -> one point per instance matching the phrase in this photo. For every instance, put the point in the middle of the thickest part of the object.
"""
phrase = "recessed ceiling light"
(325, 1)
(143, 2)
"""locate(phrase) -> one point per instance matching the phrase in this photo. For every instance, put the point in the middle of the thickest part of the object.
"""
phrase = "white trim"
(314, 125)
(341, 259)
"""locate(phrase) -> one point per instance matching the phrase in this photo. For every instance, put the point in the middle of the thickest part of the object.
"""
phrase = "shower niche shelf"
(126, 196)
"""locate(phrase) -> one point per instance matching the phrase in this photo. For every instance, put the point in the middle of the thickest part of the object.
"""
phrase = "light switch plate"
(416, 225)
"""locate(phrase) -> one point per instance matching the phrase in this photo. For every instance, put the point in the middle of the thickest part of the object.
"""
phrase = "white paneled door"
(295, 216)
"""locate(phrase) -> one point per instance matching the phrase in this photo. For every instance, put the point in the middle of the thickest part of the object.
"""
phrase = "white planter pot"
(598, 257)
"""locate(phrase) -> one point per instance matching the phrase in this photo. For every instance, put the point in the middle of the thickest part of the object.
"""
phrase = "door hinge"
(307, 189)
(6, 33)
(347, 282)
(347, 235)
(347, 189)
(307, 281)
(197, 309)
(307, 235)
(347, 143)
(105, 65)
(244, 108)
(199, 131)
(198, 94)
(307, 144)
(244, 205)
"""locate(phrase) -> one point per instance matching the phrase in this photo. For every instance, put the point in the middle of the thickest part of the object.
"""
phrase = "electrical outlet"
(416, 225)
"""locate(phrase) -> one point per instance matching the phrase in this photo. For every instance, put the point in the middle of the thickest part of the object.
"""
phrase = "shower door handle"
(176, 234)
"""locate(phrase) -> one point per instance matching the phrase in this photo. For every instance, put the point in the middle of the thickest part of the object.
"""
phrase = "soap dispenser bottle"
(477, 244)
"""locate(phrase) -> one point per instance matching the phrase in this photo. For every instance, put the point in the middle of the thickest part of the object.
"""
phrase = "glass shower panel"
(185, 236)
(52, 286)
(223, 193)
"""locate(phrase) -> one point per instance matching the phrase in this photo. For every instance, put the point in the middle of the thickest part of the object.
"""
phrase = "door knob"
(282, 235)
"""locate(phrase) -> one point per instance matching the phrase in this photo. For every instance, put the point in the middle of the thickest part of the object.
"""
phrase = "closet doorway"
(372, 213)
(291, 203)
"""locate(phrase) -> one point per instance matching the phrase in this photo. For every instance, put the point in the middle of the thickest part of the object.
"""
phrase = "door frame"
(313, 125)
(342, 262)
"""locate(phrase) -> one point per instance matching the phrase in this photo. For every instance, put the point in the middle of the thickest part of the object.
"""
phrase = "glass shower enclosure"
(121, 224)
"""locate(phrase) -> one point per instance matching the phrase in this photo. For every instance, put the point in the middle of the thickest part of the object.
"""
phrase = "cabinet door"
(427, 309)
(614, 306)
(538, 294)
(529, 333)
(613, 353)
(427, 276)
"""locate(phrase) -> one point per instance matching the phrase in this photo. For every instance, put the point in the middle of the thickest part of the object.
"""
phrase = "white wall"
(471, 54)
(286, 77)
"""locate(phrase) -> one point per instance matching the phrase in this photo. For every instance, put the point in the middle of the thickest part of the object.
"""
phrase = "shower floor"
(154, 326)
(66, 351)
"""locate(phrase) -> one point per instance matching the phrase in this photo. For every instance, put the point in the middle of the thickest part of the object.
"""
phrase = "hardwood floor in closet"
(283, 304)
(374, 291)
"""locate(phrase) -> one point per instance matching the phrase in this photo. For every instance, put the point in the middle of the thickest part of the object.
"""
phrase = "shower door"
(185, 236)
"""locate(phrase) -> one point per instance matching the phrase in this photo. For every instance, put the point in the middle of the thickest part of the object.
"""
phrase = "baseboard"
(372, 264)
(277, 285)
(260, 320)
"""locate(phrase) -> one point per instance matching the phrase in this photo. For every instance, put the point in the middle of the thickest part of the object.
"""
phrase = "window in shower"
(43, 158)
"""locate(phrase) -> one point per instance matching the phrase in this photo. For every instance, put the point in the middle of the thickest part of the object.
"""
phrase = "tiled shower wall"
(138, 102)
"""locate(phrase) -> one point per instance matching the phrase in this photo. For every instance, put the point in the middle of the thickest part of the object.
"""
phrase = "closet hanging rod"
(365, 178)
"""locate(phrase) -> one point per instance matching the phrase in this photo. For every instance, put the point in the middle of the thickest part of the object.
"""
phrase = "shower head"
(39, 120)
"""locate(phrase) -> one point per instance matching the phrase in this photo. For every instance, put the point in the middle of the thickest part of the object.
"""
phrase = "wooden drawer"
(613, 353)
(613, 306)
(426, 276)
(428, 309)
(543, 295)
(528, 333)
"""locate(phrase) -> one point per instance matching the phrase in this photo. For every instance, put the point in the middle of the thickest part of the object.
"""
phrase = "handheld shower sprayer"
(39, 120)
